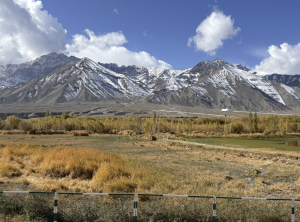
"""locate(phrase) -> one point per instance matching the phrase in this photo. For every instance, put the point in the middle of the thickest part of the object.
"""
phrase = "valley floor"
(194, 166)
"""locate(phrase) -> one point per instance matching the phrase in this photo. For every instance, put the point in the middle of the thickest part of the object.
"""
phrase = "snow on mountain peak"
(110, 81)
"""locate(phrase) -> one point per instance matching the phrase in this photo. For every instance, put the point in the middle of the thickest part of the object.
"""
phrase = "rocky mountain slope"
(82, 81)
(13, 74)
(56, 78)
(226, 86)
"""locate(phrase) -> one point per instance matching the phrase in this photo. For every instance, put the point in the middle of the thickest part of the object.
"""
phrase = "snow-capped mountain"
(13, 74)
(222, 85)
(83, 80)
(155, 79)
(56, 78)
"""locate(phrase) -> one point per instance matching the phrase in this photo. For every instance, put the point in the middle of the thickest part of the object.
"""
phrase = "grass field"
(263, 142)
(237, 166)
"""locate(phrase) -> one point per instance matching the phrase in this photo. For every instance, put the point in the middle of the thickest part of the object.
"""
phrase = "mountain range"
(59, 79)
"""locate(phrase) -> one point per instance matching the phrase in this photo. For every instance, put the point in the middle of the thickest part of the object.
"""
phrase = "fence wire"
(253, 210)
(86, 208)
(26, 207)
(73, 207)
(162, 208)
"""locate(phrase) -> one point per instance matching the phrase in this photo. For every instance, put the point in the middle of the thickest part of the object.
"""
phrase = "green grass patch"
(275, 142)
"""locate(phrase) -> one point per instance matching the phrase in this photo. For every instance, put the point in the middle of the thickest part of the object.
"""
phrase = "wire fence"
(86, 207)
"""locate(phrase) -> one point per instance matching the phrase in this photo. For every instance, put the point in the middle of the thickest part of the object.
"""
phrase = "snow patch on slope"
(257, 81)
(290, 90)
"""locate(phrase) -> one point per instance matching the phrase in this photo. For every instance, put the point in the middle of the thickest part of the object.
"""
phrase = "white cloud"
(116, 11)
(145, 33)
(212, 31)
(282, 60)
(27, 31)
(108, 48)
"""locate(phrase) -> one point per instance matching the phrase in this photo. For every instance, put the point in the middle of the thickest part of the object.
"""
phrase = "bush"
(25, 125)
(7, 126)
(237, 128)
(2, 124)
(67, 127)
(95, 126)
(13, 121)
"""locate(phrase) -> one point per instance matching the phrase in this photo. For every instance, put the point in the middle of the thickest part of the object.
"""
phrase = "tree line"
(236, 125)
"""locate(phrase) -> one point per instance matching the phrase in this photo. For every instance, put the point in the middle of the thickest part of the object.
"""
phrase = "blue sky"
(162, 28)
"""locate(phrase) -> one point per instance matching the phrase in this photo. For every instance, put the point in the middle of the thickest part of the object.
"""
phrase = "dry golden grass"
(127, 133)
(66, 169)
(14, 132)
(9, 170)
(144, 166)
(62, 162)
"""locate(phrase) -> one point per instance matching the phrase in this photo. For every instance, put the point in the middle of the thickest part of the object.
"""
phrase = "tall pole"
(154, 123)
(225, 126)
(157, 123)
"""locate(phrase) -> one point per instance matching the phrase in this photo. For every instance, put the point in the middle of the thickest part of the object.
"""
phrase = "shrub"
(25, 125)
(237, 127)
(7, 126)
(2, 124)
(13, 121)
(67, 127)
(95, 126)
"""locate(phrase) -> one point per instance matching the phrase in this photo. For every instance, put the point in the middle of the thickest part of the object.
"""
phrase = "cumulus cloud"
(108, 48)
(116, 11)
(282, 60)
(212, 31)
(27, 32)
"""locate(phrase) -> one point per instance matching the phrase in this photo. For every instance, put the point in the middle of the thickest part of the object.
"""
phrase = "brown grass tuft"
(9, 170)
(127, 133)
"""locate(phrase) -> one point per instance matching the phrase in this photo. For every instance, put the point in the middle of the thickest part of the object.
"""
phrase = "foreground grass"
(111, 163)
(58, 162)
(64, 168)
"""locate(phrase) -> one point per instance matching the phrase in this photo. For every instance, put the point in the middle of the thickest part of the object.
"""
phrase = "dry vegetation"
(209, 126)
(131, 164)
(143, 164)
(68, 169)
(134, 162)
